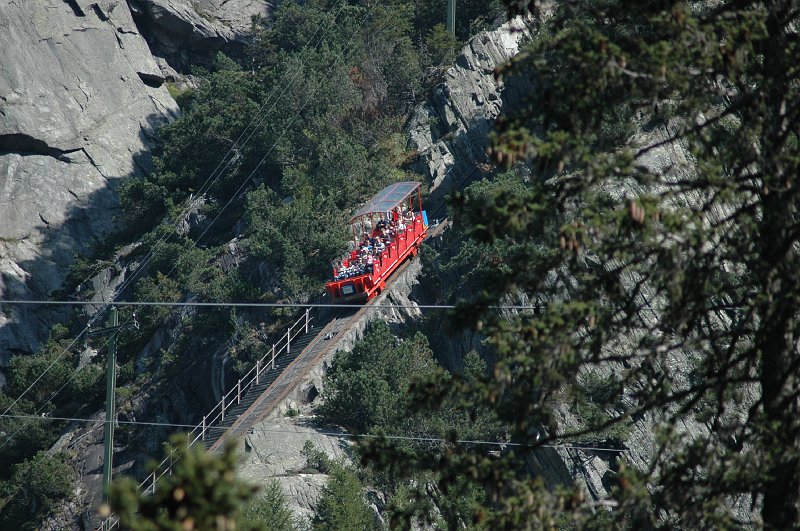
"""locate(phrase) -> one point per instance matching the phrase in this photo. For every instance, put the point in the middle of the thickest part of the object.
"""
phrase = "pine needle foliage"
(202, 492)
(664, 144)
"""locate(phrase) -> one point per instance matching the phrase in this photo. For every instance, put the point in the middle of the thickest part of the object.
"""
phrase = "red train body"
(386, 231)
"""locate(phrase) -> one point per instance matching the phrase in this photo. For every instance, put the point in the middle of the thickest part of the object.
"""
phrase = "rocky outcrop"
(450, 132)
(272, 451)
(183, 33)
(80, 101)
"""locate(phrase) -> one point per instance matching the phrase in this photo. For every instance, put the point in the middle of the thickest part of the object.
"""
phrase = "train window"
(348, 289)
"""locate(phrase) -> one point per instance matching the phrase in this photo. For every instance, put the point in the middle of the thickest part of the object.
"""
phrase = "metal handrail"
(199, 431)
(238, 389)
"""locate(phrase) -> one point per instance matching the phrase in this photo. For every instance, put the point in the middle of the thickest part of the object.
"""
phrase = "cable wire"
(260, 116)
(328, 433)
(520, 307)
(51, 397)
(269, 305)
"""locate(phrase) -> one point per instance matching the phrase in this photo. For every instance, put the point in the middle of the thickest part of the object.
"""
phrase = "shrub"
(442, 46)
(341, 506)
(316, 459)
(35, 487)
(270, 510)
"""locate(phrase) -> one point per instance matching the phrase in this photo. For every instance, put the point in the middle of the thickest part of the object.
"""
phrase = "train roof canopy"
(388, 198)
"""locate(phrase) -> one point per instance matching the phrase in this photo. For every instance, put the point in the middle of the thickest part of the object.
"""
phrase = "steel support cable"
(270, 305)
(520, 307)
(130, 279)
(327, 433)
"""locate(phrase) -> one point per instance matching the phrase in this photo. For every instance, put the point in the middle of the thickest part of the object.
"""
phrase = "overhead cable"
(268, 305)
(327, 433)
(257, 119)
(306, 305)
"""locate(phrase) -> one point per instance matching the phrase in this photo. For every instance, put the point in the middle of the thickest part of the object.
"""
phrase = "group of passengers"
(370, 249)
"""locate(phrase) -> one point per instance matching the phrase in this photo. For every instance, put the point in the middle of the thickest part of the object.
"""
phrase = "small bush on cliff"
(35, 487)
(270, 510)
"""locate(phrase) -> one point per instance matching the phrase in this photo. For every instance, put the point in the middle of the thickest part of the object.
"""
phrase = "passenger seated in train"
(369, 249)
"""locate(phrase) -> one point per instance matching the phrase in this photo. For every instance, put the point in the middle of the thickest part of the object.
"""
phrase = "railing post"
(258, 369)
(154, 483)
(307, 311)
(239, 391)
(273, 355)
(288, 338)
(223, 408)
(203, 429)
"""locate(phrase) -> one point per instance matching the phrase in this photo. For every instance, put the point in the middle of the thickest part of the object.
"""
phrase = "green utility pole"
(113, 327)
(451, 17)
(111, 385)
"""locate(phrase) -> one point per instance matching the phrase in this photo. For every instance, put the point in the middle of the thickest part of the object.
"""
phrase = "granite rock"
(183, 33)
(80, 102)
(450, 132)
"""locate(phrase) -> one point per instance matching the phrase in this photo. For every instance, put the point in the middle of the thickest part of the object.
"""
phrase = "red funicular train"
(386, 231)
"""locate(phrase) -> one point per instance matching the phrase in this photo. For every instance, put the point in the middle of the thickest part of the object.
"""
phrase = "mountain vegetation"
(367, 391)
(328, 86)
(643, 213)
(666, 287)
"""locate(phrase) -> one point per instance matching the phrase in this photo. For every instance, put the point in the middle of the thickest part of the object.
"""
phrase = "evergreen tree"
(341, 506)
(660, 234)
(202, 492)
(270, 509)
(34, 489)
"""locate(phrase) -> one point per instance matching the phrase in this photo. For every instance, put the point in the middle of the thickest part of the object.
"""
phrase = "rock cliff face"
(80, 101)
(81, 98)
(182, 33)
(450, 132)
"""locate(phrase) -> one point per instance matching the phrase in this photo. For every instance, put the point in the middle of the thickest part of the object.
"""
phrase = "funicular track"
(269, 382)
(266, 385)
(291, 368)
(322, 336)
(262, 399)
(324, 332)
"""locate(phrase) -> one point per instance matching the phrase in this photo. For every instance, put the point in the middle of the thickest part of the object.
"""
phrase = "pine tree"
(202, 492)
(660, 234)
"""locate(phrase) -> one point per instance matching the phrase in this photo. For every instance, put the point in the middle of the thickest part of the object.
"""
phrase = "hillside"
(603, 332)
(179, 363)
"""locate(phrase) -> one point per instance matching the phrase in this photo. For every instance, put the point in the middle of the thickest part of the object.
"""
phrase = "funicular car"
(386, 231)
